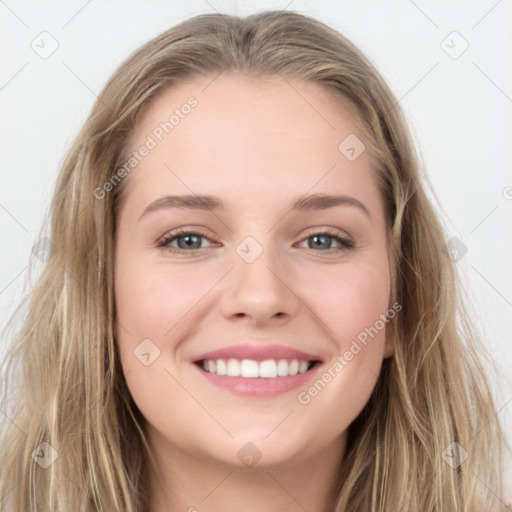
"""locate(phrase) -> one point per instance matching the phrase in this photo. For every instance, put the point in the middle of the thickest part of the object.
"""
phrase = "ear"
(389, 341)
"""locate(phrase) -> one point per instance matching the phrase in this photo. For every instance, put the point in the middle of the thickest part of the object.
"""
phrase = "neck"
(181, 482)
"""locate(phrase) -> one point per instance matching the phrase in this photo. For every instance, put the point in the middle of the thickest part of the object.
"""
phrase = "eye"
(186, 240)
(328, 240)
(183, 240)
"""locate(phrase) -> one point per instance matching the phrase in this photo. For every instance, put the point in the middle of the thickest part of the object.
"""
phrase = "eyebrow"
(312, 202)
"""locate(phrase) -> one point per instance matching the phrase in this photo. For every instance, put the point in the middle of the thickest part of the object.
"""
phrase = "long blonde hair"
(63, 383)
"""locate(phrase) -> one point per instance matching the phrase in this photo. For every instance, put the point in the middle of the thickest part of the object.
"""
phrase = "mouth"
(250, 370)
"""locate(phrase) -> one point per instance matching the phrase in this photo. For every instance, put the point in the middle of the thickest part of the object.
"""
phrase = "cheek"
(349, 299)
(350, 305)
(164, 304)
(153, 306)
(149, 302)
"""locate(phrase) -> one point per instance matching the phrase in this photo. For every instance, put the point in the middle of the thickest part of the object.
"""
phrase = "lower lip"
(260, 386)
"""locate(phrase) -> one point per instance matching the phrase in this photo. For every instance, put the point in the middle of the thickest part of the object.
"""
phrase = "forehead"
(229, 132)
(266, 104)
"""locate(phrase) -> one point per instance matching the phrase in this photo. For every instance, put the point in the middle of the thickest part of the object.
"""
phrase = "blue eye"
(328, 240)
(190, 241)
(320, 242)
(185, 241)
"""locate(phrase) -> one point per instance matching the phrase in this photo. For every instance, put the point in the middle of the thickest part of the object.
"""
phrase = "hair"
(64, 384)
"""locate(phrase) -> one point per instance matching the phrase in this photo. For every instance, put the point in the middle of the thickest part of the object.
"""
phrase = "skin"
(258, 145)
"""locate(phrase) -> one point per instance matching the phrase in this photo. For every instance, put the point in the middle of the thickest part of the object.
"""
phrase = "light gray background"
(459, 108)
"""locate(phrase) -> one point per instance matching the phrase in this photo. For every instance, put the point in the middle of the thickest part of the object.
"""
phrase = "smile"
(252, 369)
(256, 369)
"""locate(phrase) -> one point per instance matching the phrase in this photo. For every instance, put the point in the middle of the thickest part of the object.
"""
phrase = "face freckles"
(244, 267)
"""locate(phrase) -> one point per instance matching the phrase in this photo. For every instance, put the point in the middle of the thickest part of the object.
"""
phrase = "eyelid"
(331, 232)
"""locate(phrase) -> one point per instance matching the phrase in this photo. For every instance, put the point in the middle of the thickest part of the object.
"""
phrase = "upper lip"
(256, 352)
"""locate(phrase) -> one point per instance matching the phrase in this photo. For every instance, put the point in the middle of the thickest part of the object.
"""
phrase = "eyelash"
(345, 243)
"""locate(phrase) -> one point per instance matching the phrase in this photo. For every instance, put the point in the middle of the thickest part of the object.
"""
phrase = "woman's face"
(252, 278)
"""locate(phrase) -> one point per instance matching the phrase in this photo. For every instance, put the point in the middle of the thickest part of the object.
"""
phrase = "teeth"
(268, 369)
(294, 367)
(282, 368)
(250, 369)
(233, 369)
(221, 367)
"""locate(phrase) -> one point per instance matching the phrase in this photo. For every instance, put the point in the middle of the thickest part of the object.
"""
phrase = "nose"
(260, 292)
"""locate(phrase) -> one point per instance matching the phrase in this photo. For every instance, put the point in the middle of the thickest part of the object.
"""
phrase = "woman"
(249, 303)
